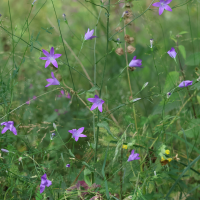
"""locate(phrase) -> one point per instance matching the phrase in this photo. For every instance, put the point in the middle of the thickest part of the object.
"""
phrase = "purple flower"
(68, 96)
(185, 83)
(172, 53)
(77, 133)
(135, 62)
(88, 35)
(97, 102)
(53, 81)
(9, 126)
(34, 98)
(163, 5)
(44, 183)
(5, 150)
(28, 102)
(133, 156)
(68, 165)
(51, 57)
(85, 186)
(63, 94)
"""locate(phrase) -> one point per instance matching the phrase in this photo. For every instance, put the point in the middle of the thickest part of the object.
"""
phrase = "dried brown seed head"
(126, 21)
(130, 49)
(131, 68)
(59, 77)
(128, 5)
(119, 51)
(126, 37)
(131, 40)
(118, 28)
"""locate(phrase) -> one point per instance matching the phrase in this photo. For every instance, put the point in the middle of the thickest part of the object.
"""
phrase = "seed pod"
(6, 47)
(119, 51)
(117, 29)
(127, 14)
(126, 21)
(131, 40)
(131, 68)
(59, 77)
(128, 5)
(126, 37)
(130, 49)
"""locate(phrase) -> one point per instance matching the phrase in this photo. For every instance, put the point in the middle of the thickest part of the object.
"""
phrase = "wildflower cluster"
(97, 102)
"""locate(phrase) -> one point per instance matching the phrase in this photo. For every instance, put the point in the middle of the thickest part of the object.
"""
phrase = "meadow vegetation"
(99, 99)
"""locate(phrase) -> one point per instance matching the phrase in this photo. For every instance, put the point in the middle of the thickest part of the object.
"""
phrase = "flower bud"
(130, 49)
(151, 43)
(168, 94)
(119, 51)
(54, 125)
(5, 150)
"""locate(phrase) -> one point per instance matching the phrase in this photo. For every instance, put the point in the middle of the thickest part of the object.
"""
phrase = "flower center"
(51, 58)
(162, 4)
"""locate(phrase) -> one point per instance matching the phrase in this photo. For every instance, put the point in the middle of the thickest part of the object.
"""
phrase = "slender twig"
(127, 63)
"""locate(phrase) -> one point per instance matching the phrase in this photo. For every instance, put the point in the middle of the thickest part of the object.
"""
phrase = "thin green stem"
(191, 31)
(96, 143)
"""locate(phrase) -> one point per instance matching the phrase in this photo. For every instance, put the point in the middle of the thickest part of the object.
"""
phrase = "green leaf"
(86, 177)
(70, 152)
(103, 173)
(52, 117)
(182, 32)
(193, 128)
(171, 81)
(193, 59)
(106, 126)
(91, 168)
(94, 88)
(66, 21)
(37, 36)
(181, 139)
(182, 50)
(184, 171)
(39, 196)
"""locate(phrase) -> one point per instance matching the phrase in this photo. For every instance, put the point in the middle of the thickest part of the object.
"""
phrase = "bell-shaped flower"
(133, 156)
(50, 57)
(52, 81)
(5, 150)
(9, 126)
(185, 83)
(97, 102)
(44, 183)
(77, 133)
(88, 35)
(163, 5)
(135, 62)
(172, 52)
